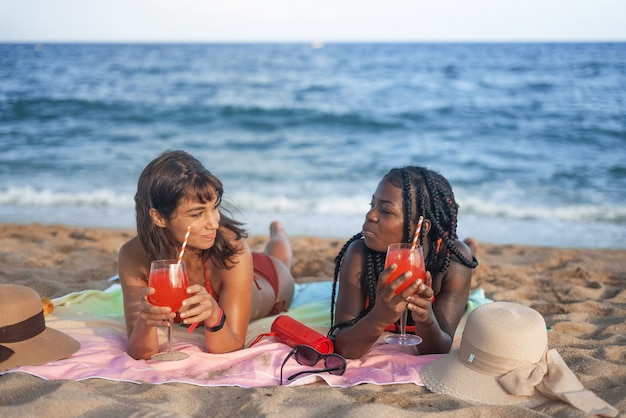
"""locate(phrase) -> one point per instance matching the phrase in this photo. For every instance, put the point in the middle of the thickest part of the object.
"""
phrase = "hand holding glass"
(170, 282)
(407, 258)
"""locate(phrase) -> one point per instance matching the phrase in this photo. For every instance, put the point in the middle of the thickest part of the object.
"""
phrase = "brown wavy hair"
(164, 182)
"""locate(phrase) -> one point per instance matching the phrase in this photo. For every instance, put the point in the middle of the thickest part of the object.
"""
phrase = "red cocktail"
(170, 287)
(170, 283)
(406, 260)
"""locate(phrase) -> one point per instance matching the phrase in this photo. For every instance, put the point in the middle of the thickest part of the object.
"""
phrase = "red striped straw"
(182, 249)
(417, 233)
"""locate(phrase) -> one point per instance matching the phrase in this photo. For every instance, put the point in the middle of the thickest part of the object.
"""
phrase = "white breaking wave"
(29, 196)
(584, 212)
(314, 204)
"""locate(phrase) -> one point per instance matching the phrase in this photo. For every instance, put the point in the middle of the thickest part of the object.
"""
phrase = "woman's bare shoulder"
(356, 247)
(464, 249)
(132, 249)
(132, 257)
(353, 257)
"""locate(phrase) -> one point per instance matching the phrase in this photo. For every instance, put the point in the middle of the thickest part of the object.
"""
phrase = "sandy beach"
(580, 292)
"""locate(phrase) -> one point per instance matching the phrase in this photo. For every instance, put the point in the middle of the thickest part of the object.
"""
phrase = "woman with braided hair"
(366, 305)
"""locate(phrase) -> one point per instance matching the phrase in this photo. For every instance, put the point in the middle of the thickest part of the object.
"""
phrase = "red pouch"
(291, 332)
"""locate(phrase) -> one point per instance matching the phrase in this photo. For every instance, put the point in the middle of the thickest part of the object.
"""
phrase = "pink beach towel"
(95, 319)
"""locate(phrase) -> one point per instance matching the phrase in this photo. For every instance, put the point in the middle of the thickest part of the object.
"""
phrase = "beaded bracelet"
(220, 323)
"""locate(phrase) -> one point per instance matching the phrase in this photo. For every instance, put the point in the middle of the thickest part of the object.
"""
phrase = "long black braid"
(424, 192)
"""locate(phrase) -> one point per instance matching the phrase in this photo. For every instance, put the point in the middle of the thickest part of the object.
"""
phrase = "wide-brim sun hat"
(466, 373)
(503, 359)
(25, 340)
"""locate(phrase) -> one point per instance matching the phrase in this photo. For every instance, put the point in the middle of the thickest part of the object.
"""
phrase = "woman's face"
(203, 218)
(384, 222)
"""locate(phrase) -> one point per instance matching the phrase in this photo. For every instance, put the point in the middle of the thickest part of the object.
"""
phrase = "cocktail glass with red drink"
(407, 257)
(169, 280)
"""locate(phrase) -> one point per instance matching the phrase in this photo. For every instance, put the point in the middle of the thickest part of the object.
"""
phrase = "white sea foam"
(581, 213)
(30, 196)
(321, 205)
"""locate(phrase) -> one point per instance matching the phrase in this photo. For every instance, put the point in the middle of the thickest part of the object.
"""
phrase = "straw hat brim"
(48, 346)
(448, 375)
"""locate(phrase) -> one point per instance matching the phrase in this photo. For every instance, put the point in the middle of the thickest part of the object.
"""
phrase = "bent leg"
(286, 286)
(274, 287)
(281, 284)
(472, 243)
(278, 246)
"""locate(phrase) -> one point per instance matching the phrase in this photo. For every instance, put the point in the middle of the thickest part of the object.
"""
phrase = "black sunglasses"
(308, 356)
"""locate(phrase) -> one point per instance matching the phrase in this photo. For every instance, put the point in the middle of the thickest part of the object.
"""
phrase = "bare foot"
(279, 245)
(472, 243)
(276, 228)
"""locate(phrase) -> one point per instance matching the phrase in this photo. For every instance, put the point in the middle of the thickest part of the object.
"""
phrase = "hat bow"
(553, 378)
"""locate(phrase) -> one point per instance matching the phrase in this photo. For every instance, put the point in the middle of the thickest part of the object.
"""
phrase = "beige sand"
(580, 293)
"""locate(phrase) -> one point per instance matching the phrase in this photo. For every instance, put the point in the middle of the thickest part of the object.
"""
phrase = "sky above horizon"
(305, 20)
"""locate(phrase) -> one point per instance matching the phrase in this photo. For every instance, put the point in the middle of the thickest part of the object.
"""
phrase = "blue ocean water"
(531, 136)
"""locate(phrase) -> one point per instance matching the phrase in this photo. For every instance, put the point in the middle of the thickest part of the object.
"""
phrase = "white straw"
(182, 249)
(417, 232)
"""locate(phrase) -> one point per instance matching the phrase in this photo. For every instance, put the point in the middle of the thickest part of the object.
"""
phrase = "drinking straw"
(182, 249)
(180, 259)
(417, 232)
(192, 327)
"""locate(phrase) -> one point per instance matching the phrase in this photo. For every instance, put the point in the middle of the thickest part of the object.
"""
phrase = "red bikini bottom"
(264, 267)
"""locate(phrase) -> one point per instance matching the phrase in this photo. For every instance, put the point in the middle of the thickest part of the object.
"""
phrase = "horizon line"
(301, 41)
